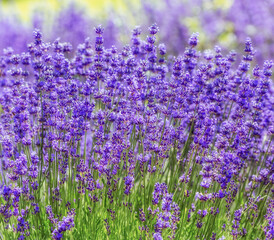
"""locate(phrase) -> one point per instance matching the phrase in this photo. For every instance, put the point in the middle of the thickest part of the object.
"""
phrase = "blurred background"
(226, 23)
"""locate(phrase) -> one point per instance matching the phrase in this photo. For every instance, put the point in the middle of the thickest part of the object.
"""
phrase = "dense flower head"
(136, 31)
(193, 40)
(99, 30)
(37, 36)
(157, 236)
(153, 29)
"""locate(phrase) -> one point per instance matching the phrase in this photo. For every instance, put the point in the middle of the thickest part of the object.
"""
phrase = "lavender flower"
(133, 142)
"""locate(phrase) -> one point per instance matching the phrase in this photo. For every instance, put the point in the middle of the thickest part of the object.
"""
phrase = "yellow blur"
(98, 8)
(24, 9)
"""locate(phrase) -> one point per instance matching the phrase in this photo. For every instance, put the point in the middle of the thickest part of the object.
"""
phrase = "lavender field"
(165, 135)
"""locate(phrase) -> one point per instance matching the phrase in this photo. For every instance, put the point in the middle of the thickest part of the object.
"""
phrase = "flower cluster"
(100, 142)
(228, 21)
